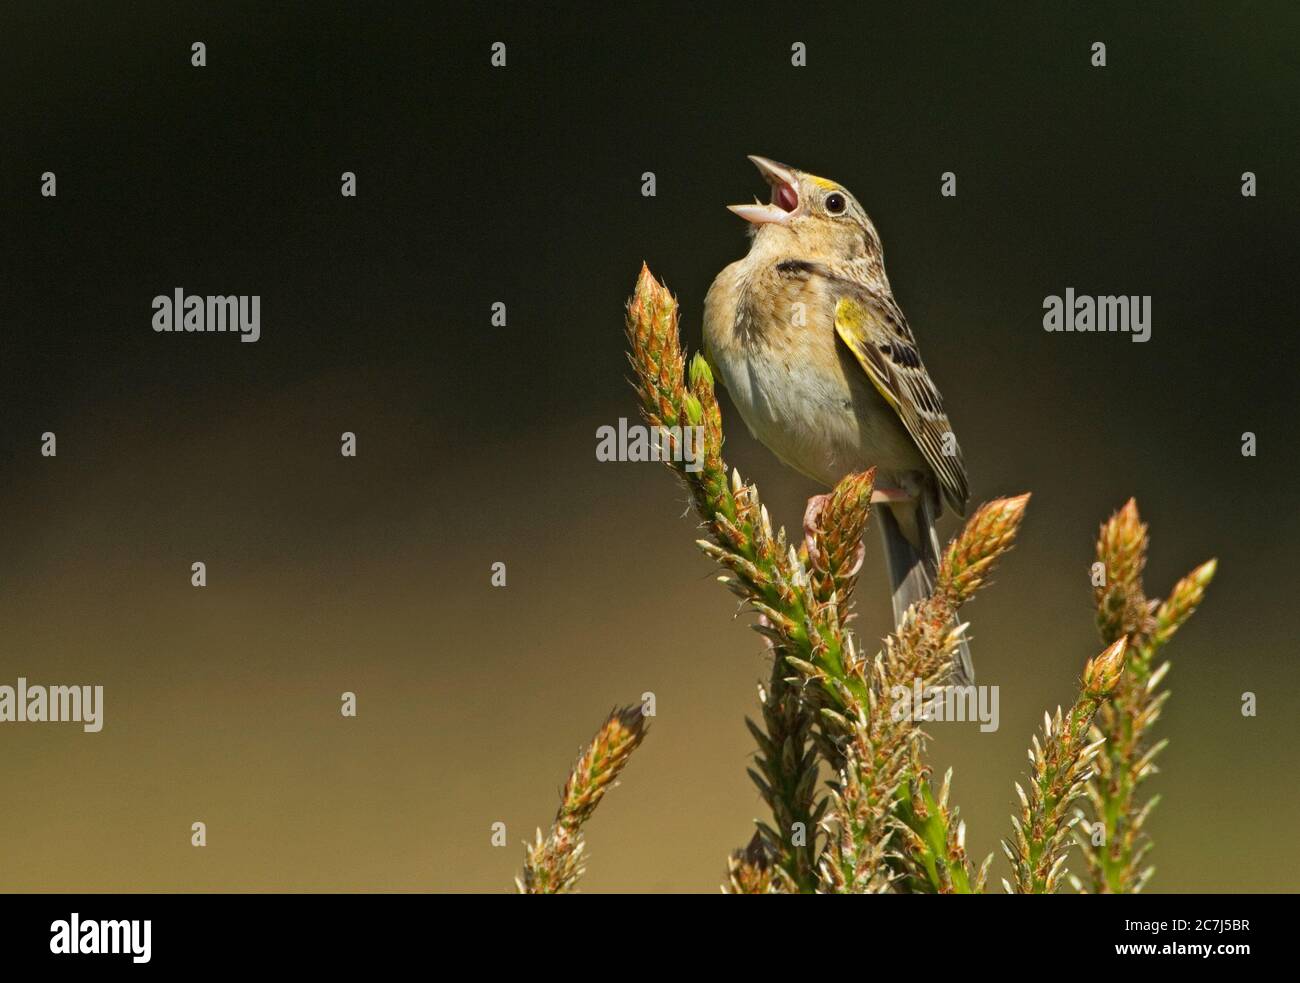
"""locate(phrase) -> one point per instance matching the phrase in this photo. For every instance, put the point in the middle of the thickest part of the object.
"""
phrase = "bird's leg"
(891, 496)
(812, 523)
(812, 516)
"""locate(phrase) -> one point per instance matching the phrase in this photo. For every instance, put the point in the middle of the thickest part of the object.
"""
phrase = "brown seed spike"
(988, 534)
(1102, 673)
(554, 864)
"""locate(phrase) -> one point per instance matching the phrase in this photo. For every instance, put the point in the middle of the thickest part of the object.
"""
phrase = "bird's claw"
(812, 516)
(812, 526)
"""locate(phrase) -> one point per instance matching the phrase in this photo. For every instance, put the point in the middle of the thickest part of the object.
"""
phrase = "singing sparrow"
(806, 336)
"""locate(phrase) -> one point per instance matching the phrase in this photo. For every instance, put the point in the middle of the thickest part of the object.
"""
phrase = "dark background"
(476, 443)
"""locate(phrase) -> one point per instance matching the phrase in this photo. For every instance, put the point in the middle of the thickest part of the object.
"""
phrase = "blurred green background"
(477, 443)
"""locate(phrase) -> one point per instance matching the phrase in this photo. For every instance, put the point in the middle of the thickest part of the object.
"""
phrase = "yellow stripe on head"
(822, 183)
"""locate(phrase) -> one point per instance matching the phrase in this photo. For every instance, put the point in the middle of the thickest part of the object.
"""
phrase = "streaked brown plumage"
(805, 334)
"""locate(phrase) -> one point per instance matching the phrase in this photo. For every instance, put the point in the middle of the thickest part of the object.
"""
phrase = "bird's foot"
(891, 496)
(812, 524)
(812, 517)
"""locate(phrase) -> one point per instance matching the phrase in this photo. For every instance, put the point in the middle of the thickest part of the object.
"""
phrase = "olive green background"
(476, 443)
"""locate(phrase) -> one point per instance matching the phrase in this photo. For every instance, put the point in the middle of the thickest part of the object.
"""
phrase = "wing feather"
(875, 331)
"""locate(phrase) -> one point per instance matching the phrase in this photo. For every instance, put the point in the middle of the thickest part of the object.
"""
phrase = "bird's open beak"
(785, 194)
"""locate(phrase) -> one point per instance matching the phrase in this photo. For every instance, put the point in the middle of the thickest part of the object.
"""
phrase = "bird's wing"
(875, 331)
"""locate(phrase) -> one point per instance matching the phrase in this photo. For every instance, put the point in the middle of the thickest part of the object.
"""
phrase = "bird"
(823, 368)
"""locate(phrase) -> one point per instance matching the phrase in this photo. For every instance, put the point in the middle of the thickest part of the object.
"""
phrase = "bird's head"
(809, 216)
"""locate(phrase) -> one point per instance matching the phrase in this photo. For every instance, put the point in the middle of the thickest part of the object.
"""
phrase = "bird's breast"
(771, 337)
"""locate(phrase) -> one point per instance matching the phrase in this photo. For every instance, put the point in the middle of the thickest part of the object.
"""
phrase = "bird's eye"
(835, 203)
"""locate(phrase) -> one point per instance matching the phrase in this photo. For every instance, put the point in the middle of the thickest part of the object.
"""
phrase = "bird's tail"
(912, 557)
